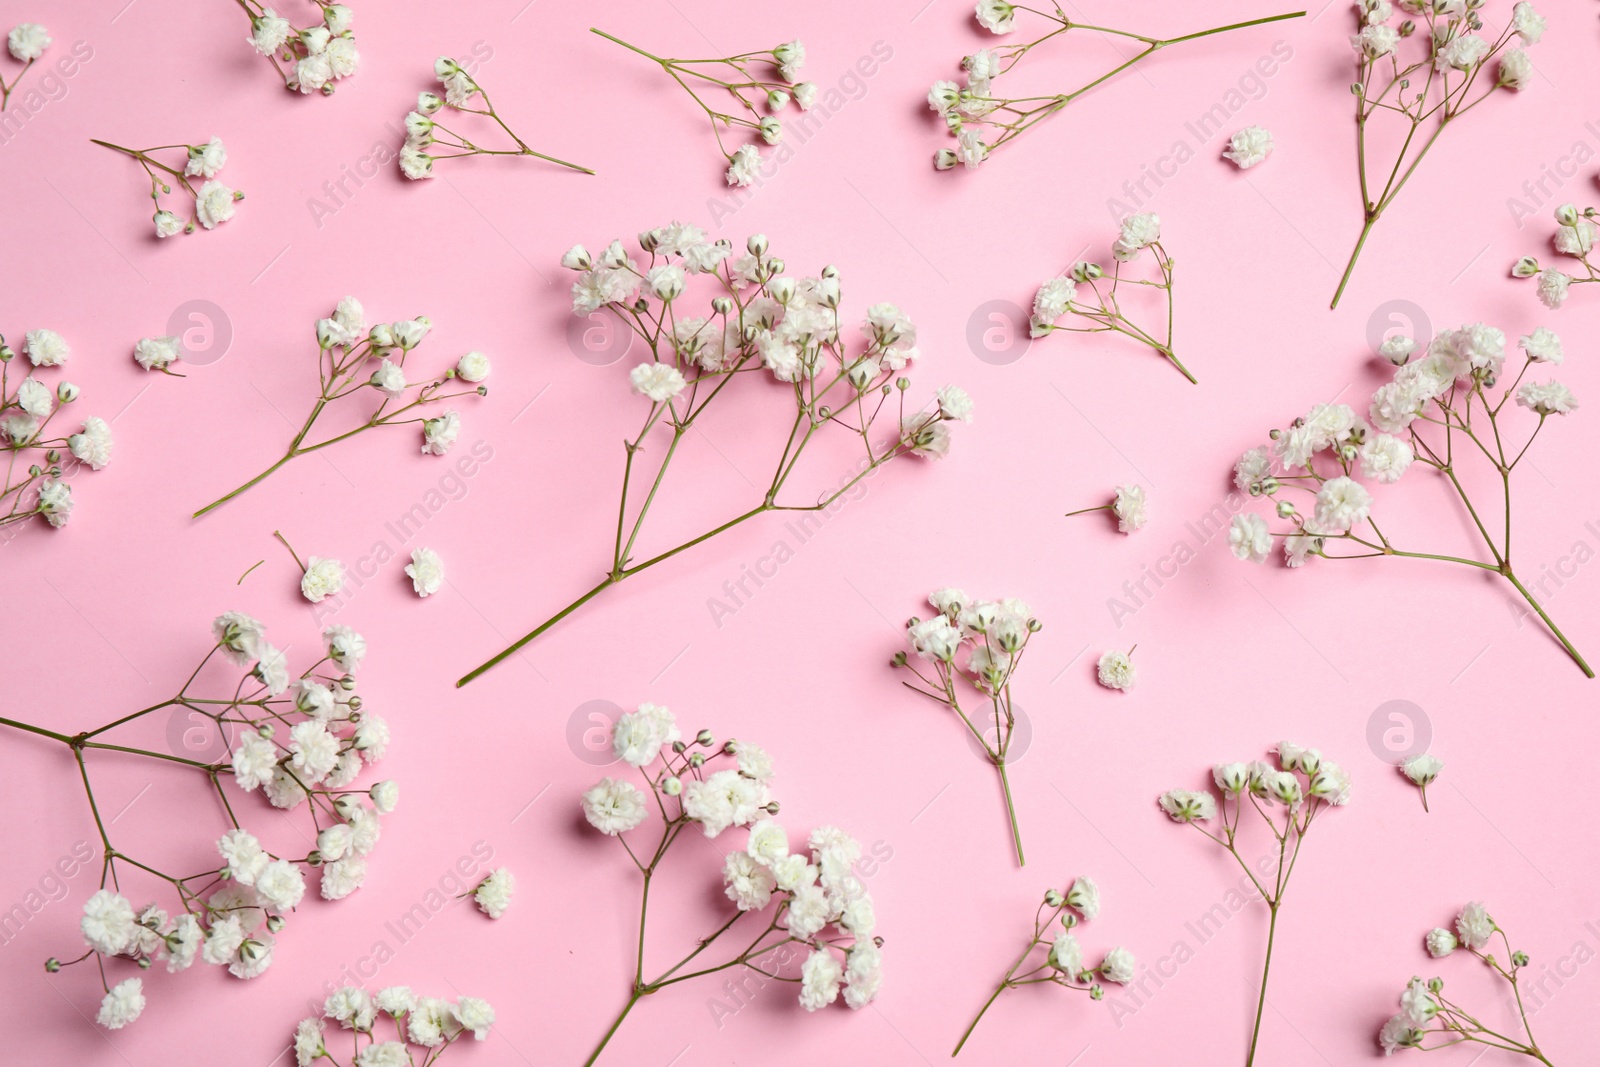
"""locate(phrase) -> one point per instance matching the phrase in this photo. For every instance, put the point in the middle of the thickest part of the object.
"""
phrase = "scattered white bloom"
(426, 571)
(322, 578)
(493, 894)
(1116, 671)
(1248, 147)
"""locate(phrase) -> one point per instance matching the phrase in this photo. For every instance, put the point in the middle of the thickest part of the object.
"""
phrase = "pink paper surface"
(110, 614)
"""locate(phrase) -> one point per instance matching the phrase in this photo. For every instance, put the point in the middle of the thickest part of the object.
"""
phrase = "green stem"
(1261, 1001)
(1011, 812)
(617, 1022)
(1571, 651)
(253, 482)
(1355, 255)
(1001, 988)
(535, 632)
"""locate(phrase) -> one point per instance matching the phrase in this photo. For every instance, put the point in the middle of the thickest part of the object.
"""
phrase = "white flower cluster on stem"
(763, 327)
(302, 741)
(429, 139)
(1420, 77)
(213, 201)
(974, 645)
(982, 120)
(33, 456)
(755, 101)
(1442, 409)
(1063, 962)
(1429, 1020)
(1574, 236)
(1288, 797)
(26, 42)
(309, 60)
(808, 901)
(354, 361)
(431, 1024)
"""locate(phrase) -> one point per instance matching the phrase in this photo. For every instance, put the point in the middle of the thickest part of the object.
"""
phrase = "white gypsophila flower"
(223, 940)
(1440, 942)
(1138, 232)
(863, 974)
(1084, 897)
(1547, 398)
(157, 353)
(371, 738)
(1528, 23)
(27, 41)
(1330, 783)
(426, 571)
(415, 163)
(1375, 40)
(333, 843)
(820, 976)
(1384, 458)
(19, 429)
(1462, 53)
(743, 165)
(747, 882)
(429, 1022)
(1553, 288)
(1474, 926)
(1066, 955)
(1249, 538)
(754, 762)
(439, 433)
(269, 32)
(244, 856)
(1050, 303)
(55, 502)
(768, 842)
(1516, 69)
(395, 1000)
(1543, 345)
(342, 56)
(345, 647)
(473, 367)
(214, 205)
(389, 379)
(954, 403)
(352, 1007)
(1129, 508)
(1251, 467)
(1116, 671)
(342, 878)
(46, 348)
(1187, 805)
(284, 791)
(281, 885)
(1397, 349)
(996, 16)
(1342, 503)
(493, 894)
(613, 806)
(1418, 1004)
(1422, 769)
(659, 382)
(1398, 1033)
(108, 923)
(1232, 778)
(790, 57)
(475, 1015)
(1118, 966)
(322, 578)
(1248, 147)
(122, 1005)
(1574, 238)
(271, 669)
(167, 224)
(34, 397)
(255, 761)
(935, 638)
(313, 751)
(970, 148)
(207, 159)
(925, 436)
(309, 1045)
(93, 444)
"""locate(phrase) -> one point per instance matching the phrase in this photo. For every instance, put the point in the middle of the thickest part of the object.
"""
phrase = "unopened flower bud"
(757, 244)
(1526, 267)
(945, 159)
(7, 353)
(777, 99)
(1567, 215)
(52, 965)
(275, 923)
(1053, 898)
(1097, 992)
(264, 729)
(647, 240)
(1519, 959)
(722, 305)
(703, 738)
(672, 787)
(1285, 509)
(1435, 985)
(144, 963)
(696, 759)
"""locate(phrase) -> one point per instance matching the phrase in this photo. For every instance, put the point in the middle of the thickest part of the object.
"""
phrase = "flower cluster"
(1063, 963)
(301, 741)
(1420, 771)
(1067, 294)
(1441, 407)
(1425, 1012)
(982, 120)
(1127, 504)
(428, 139)
(37, 461)
(1249, 147)
(1288, 797)
(430, 1023)
(1575, 234)
(213, 202)
(756, 101)
(26, 42)
(979, 644)
(309, 60)
(354, 360)
(808, 901)
(493, 894)
(1422, 74)
(769, 329)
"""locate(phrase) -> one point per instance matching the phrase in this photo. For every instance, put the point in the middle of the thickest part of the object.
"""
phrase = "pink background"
(111, 613)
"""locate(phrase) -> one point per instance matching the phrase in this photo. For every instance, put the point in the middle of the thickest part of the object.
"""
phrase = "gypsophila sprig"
(982, 119)
(1086, 294)
(26, 42)
(808, 903)
(394, 1027)
(493, 894)
(429, 139)
(1062, 963)
(1420, 771)
(1288, 797)
(753, 101)
(1574, 237)
(1127, 504)
(211, 202)
(1428, 1020)
(37, 456)
(1420, 77)
(778, 333)
(300, 742)
(359, 364)
(308, 60)
(975, 646)
(1443, 410)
